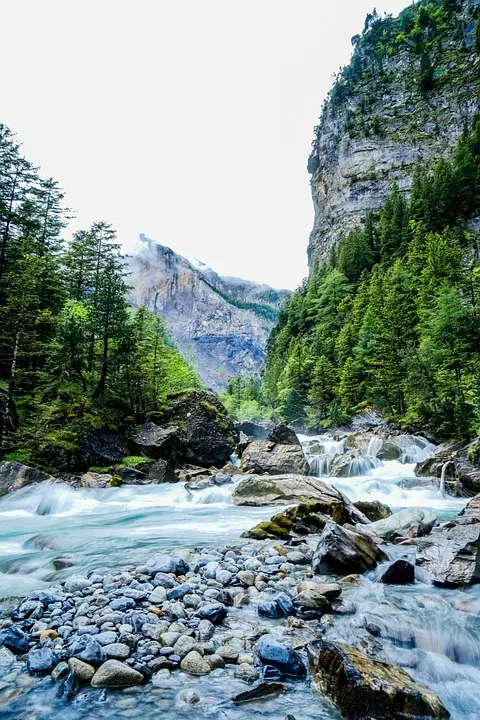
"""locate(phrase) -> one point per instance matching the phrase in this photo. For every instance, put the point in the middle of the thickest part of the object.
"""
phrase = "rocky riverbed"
(135, 600)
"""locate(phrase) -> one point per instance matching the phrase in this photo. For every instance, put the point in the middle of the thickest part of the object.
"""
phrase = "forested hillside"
(73, 354)
(393, 318)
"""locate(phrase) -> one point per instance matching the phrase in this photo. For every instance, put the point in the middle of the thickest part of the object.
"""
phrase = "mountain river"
(50, 531)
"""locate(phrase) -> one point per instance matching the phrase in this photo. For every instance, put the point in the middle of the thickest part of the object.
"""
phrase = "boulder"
(411, 522)
(451, 557)
(14, 475)
(273, 651)
(366, 689)
(373, 509)
(115, 674)
(160, 443)
(42, 660)
(307, 518)
(97, 480)
(269, 458)
(260, 490)
(471, 512)
(283, 435)
(209, 432)
(345, 551)
(400, 572)
(102, 447)
(280, 606)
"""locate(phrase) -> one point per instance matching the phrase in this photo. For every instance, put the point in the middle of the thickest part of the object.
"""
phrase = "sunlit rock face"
(379, 130)
(219, 324)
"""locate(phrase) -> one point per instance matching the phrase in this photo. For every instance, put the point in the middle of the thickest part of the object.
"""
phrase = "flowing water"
(48, 531)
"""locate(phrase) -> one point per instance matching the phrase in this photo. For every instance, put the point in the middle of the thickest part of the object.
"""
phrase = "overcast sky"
(187, 120)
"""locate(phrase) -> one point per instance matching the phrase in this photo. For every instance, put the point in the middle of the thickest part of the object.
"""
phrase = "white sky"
(188, 120)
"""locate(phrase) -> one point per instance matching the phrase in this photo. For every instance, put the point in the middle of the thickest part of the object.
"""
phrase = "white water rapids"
(49, 531)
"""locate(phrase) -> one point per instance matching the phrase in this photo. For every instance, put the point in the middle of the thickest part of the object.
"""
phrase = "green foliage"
(394, 320)
(244, 399)
(266, 311)
(73, 355)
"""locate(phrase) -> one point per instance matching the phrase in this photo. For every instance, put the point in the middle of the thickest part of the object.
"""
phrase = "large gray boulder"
(411, 522)
(345, 551)
(281, 452)
(14, 476)
(366, 689)
(285, 489)
(166, 443)
(452, 557)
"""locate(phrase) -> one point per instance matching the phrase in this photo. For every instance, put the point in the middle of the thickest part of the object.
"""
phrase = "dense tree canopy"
(73, 353)
(393, 320)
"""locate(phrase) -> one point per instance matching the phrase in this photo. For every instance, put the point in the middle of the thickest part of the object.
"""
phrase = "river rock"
(400, 572)
(96, 480)
(194, 664)
(119, 651)
(451, 557)
(308, 518)
(87, 649)
(365, 689)
(329, 590)
(280, 606)
(345, 551)
(42, 660)
(209, 432)
(228, 653)
(263, 691)
(14, 639)
(256, 490)
(272, 651)
(115, 674)
(82, 670)
(412, 522)
(311, 598)
(246, 672)
(215, 612)
(373, 509)
(274, 458)
(14, 475)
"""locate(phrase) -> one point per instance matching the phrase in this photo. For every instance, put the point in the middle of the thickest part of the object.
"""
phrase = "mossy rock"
(303, 519)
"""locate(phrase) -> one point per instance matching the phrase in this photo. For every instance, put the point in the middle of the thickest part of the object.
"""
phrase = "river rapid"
(51, 531)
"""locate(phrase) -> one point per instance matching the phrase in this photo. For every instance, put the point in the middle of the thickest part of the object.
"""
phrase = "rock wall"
(219, 324)
(384, 116)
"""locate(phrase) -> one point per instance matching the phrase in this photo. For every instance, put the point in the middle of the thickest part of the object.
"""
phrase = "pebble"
(195, 664)
(83, 671)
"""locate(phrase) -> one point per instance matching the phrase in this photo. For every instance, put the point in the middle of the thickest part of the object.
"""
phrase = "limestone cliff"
(219, 324)
(410, 88)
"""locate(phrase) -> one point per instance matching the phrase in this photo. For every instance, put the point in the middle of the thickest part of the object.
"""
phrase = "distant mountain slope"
(220, 324)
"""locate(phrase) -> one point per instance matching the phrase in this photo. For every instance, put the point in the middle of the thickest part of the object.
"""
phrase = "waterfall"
(443, 475)
(362, 465)
(374, 446)
(320, 465)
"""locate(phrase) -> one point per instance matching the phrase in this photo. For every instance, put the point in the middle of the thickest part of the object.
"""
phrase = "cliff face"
(219, 324)
(412, 85)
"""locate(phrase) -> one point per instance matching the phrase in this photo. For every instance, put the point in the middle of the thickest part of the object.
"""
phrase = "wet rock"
(87, 649)
(7, 658)
(228, 653)
(215, 661)
(406, 448)
(77, 583)
(345, 551)
(411, 522)
(215, 612)
(187, 697)
(82, 670)
(42, 660)
(451, 557)
(106, 638)
(122, 604)
(246, 577)
(263, 691)
(279, 606)
(14, 475)
(210, 434)
(311, 598)
(206, 630)
(184, 645)
(194, 664)
(119, 651)
(246, 672)
(273, 457)
(14, 639)
(365, 689)
(373, 509)
(400, 572)
(160, 443)
(329, 590)
(279, 489)
(273, 651)
(115, 674)
(60, 671)
(96, 480)
(163, 565)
